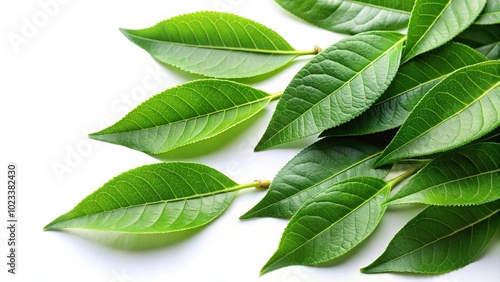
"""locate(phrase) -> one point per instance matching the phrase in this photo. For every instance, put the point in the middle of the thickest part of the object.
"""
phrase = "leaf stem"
(395, 181)
(258, 184)
(314, 51)
(276, 96)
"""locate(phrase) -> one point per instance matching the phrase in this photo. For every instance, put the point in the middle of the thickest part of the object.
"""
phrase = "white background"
(67, 71)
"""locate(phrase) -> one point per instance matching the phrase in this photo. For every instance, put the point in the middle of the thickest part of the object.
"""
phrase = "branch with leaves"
(430, 98)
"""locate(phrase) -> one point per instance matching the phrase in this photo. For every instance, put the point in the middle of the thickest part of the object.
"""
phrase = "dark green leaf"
(412, 81)
(215, 44)
(466, 176)
(331, 223)
(484, 38)
(185, 114)
(440, 239)
(352, 16)
(335, 86)
(433, 23)
(460, 109)
(490, 14)
(316, 168)
(157, 198)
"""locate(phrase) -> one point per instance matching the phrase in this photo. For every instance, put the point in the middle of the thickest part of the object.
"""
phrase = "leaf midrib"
(466, 106)
(449, 182)
(186, 198)
(337, 221)
(226, 48)
(427, 30)
(268, 97)
(322, 182)
(337, 89)
(444, 237)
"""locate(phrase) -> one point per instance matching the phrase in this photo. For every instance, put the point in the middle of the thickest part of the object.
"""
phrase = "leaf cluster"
(379, 98)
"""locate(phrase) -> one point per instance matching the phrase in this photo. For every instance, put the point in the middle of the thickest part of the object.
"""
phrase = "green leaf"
(484, 38)
(490, 14)
(466, 176)
(215, 44)
(352, 16)
(334, 87)
(440, 239)
(314, 169)
(412, 81)
(433, 23)
(185, 114)
(460, 109)
(157, 198)
(331, 223)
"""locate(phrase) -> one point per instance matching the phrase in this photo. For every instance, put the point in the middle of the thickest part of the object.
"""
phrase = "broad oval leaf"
(215, 44)
(433, 23)
(349, 16)
(490, 14)
(314, 169)
(484, 38)
(157, 198)
(334, 87)
(440, 239)
(466, 176)
(413, 80)
(331, 223)
(460, 109)
(185, 114)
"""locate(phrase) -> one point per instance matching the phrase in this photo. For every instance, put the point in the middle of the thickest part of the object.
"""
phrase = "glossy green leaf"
(157, 198)
(185, 114)
(215, 44)
(413, 80)
(490, 14)
(433, 23)
(352, 16)
(466, 176)
(334, 87)
(331, 223)
(460, 109)
(440, 239)
(484, 38)
(315, 169)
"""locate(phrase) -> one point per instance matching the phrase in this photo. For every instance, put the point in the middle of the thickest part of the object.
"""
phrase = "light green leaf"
(460, 109)
(157, 198)
(466, 176)
(352, 16)
(490, 14)
(331, 223)
(185, 114)
(314, 169)
(433, 23)
(440, 239)
(215, 44)
(484, 38)
(412, 81)
(334, 87)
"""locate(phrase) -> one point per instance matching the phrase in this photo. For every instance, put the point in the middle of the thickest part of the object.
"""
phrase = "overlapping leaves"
(334, 87)
(348, 16)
